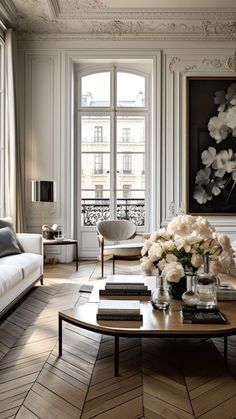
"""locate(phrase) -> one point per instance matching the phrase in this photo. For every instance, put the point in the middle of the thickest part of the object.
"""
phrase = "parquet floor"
(159, 378)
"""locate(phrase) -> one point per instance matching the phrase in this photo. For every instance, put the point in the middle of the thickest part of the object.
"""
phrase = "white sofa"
(18, 273)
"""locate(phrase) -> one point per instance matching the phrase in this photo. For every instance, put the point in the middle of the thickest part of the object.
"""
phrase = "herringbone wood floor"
(158, 378)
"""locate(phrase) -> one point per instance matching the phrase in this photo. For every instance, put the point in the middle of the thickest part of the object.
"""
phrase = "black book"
(120, 317)
(129, 292)
(202, 315)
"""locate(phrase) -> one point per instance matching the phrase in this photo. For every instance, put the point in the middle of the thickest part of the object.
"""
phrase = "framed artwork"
(211, 145)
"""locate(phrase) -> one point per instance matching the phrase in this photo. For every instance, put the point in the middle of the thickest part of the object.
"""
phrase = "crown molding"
(130, 30)
(7, 12)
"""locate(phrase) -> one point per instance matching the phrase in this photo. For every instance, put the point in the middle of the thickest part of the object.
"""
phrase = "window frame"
(142, 111)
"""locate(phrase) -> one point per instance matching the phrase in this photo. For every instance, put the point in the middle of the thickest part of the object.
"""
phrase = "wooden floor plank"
(46, 404)
(158, 378)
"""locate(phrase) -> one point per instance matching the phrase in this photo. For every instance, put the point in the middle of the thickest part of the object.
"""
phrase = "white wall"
(47, 126)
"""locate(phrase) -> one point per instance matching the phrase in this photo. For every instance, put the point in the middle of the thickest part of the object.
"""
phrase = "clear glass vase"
(207, 286)
(160, 298)
(191, 296)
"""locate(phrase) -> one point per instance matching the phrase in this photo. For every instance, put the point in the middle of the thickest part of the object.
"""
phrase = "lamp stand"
(42, 214)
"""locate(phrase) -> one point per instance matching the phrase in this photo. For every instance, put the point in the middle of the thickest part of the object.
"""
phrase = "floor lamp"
(43, 191)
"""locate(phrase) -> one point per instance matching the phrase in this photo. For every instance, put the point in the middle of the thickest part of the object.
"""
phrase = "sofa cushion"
(7, 222)
(9, 277)
(8, 243)
(28, 262)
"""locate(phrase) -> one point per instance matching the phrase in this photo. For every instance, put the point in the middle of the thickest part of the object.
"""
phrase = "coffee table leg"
(116, 356)
(226, 349)
(60, 334)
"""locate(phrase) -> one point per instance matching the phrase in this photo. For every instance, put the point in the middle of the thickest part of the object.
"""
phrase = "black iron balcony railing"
(99, 209)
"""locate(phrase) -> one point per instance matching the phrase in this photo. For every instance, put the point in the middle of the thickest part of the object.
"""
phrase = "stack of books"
(119, 310)
(226, 292)
(129, 289)
(192, 314)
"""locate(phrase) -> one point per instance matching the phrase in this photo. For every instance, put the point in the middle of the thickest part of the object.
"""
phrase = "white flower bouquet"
(181, 246)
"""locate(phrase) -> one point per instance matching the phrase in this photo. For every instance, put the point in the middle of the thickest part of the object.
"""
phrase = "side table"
(64, 242)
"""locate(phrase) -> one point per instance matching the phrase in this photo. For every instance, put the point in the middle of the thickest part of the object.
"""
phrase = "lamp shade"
(43, 191)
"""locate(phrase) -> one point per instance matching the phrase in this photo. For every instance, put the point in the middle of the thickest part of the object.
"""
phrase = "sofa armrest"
(31, 243)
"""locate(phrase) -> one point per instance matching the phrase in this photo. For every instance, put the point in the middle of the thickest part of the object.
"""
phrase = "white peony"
(224, 241)
(208, 156)
(196, 260)
(155, 252)
(201, 195)
(147, 266)
(146, 247)
(173, 272)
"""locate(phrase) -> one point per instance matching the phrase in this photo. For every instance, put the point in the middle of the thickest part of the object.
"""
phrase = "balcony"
(99, 209)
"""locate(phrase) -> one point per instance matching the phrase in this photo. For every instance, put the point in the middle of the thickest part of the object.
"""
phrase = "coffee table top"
(155, 322)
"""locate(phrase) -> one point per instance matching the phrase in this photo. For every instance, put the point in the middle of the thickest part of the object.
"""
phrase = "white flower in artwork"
(231, 94)
(208, 156)
(203, 176)
(223, 163)
(201, 195)
(218, 128)
(231, 119)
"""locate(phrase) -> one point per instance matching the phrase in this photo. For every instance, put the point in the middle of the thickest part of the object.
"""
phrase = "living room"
(121, 110)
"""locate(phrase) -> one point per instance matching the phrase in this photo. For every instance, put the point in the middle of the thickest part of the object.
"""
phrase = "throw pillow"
(7, 222)
(8, 243)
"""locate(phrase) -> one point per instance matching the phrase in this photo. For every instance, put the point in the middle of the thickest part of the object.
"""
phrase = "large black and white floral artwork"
(211, 146)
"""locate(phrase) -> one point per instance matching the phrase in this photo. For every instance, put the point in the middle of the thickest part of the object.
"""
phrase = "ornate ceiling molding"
(228, 62)
(89, 19)
(44, 28)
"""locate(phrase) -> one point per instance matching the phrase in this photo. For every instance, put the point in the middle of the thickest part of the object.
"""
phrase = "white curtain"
(13, 190)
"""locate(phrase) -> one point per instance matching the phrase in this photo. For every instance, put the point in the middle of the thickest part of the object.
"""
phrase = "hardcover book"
(203, 316)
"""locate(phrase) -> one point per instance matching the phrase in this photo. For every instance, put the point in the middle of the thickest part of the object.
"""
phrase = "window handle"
(108, 171)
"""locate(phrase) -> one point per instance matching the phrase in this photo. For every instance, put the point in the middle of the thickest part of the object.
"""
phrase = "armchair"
(116, 231)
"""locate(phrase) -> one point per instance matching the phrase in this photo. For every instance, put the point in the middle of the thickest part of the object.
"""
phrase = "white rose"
(155, 252)
(154, 237)
(196, 260)
(161, 264)
(181, 224)
(171, 258)
(163, 233)
(147, 266)
(182, 243)
(224, 241)
(146, 247)
(168, 246)
(173, 272)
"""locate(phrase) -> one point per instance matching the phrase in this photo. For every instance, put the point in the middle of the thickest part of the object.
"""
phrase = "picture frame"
(211, 146)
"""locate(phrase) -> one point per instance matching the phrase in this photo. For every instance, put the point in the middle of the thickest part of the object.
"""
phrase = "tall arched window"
(112, 133)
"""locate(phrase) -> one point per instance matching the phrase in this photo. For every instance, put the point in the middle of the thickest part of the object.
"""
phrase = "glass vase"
(160, 298)
(207, 286)
(190, 297)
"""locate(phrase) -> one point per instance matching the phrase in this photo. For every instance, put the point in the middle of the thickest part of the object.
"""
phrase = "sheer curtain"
(13, 204)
